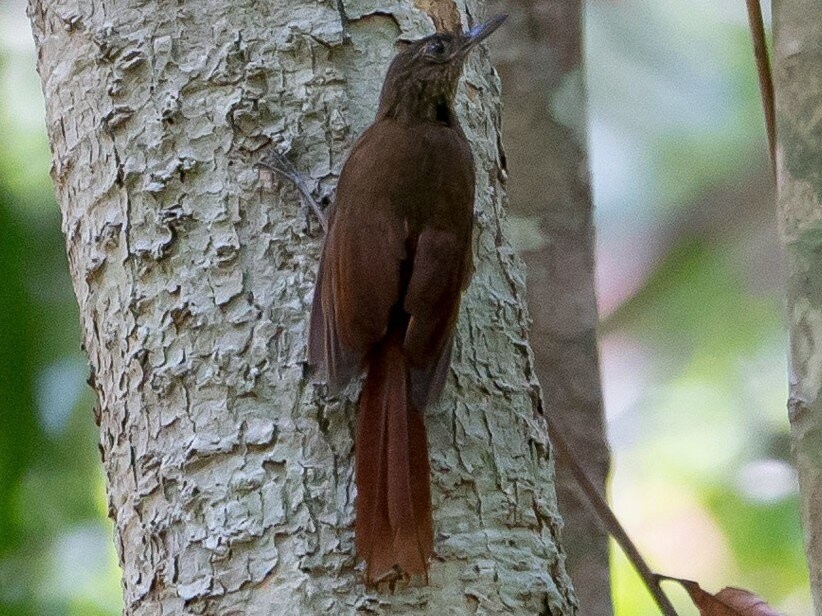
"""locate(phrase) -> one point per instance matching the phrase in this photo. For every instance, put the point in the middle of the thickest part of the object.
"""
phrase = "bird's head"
(427, 71)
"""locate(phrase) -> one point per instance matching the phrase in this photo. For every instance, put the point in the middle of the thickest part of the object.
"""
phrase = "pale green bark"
(798, 84)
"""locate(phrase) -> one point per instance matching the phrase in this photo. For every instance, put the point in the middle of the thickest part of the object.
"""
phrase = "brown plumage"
(395, 262)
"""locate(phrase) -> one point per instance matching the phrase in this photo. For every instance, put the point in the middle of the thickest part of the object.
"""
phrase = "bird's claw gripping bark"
(277, 162)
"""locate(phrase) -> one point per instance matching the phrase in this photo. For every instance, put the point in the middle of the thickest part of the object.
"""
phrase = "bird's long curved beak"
(481, 32)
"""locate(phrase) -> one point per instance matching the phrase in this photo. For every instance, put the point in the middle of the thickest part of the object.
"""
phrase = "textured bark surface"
(229, 472)
(540, 61)
(798, 85)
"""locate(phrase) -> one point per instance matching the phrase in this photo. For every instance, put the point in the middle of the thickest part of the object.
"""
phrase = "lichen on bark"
(229, 471)
(798, 88)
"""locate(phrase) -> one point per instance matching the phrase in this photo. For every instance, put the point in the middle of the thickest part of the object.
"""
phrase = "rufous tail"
(394, 525)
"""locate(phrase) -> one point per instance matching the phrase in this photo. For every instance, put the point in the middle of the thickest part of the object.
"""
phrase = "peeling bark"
(229, 472)
(798, 81)
(540, 60)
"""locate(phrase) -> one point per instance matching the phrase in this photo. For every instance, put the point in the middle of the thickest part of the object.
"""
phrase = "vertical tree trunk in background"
(229, 472)
(541, 65)
(798, 86)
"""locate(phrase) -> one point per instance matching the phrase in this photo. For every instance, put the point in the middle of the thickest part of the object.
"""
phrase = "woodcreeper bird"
(395, 262)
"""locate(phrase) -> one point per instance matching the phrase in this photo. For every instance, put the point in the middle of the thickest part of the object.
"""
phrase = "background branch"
(609, 519)
(763, 69)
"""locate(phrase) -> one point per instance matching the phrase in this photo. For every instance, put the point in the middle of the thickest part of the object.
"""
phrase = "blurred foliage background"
(690, 289)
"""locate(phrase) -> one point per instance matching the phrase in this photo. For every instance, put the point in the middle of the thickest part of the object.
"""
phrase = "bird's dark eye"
(434, 47)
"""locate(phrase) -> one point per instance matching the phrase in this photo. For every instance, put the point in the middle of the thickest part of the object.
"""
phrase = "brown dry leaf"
(727, 602)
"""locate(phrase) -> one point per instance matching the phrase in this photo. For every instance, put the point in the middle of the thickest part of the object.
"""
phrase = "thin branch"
(610, 521)
(763, 69)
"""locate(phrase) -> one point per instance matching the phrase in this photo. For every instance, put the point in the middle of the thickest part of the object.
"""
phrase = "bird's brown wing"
(442, 265)
(359, 275)
(338, 363)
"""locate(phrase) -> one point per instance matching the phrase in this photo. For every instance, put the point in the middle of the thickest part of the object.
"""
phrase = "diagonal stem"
(610, 520)
(763, 69)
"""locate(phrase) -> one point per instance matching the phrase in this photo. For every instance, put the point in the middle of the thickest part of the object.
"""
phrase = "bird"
(396, 259)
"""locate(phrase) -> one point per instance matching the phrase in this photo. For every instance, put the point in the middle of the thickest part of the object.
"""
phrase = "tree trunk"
(798, 87)
(546, 142)
(229, 471)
